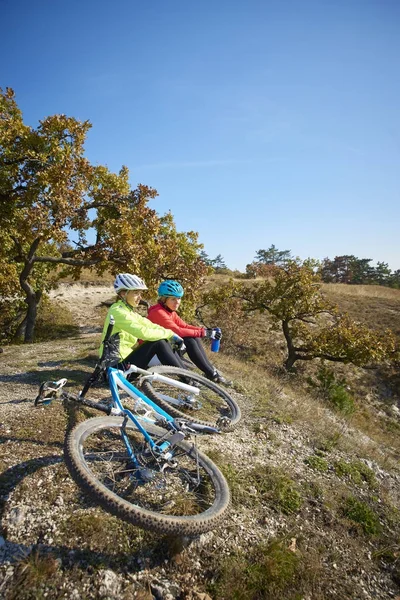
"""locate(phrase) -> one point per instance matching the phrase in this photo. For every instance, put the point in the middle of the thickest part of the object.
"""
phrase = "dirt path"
(84, 302)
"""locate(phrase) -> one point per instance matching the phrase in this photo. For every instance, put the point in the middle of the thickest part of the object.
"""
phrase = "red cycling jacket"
(170, 320)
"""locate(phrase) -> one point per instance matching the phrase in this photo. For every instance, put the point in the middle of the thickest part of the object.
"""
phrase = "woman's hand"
(213, 334)
(178, 343)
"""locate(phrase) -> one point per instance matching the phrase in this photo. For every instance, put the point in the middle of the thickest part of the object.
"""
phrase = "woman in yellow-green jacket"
(130, 327)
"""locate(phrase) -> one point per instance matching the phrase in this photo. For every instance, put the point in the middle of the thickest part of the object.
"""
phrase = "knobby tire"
(216, 401)
(169, 503)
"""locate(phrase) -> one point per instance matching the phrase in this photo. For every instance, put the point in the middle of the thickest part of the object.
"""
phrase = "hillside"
(315, 495)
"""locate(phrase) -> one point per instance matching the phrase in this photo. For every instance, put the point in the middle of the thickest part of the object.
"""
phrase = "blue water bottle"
(215, 343)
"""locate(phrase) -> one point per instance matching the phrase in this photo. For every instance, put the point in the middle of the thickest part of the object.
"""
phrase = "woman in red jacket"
(164, 313)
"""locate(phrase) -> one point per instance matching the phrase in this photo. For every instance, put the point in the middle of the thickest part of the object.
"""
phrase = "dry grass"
(89, 276)
(376, 306)
(355, 291)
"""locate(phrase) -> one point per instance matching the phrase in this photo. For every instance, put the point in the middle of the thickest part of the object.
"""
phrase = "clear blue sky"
(259, 122)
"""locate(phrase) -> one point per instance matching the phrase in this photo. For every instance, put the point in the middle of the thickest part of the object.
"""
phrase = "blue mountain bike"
(140, 463)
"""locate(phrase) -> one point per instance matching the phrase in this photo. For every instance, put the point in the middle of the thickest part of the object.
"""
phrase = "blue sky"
(259, 122)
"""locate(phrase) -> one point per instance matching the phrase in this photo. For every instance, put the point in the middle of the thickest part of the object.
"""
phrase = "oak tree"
(312, 326)
(50, 193)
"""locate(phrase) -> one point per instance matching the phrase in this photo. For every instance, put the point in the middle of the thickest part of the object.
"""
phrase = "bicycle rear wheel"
(212, 406)
(185, 495)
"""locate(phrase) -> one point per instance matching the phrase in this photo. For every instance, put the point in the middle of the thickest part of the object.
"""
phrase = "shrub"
(267, 571)
(334, 390)
(359, 512)
(317, 463)
(357, 471)
(54, 321)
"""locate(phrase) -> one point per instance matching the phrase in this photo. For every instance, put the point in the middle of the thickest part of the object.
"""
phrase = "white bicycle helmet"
(125, 281)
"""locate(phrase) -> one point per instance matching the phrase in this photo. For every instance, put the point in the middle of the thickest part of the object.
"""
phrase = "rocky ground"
(286, 492)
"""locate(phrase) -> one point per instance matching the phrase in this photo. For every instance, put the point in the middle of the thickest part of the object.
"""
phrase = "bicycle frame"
(117, 379)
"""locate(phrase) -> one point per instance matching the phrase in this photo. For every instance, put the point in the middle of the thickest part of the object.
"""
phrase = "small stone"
(17, 515)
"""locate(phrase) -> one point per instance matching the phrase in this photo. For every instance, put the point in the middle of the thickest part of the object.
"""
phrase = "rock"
(165, 590)
(17, 515)
(110, 586)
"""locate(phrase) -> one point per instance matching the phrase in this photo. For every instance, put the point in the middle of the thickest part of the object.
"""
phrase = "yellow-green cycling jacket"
(131, 327)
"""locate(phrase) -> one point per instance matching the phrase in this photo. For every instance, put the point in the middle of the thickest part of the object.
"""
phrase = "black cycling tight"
(198, 356)
(142, 355)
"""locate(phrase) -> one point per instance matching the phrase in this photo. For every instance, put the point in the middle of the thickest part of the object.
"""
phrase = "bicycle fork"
(162, 453)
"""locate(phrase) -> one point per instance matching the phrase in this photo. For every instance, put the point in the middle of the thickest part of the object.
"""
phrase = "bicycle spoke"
(154, 484)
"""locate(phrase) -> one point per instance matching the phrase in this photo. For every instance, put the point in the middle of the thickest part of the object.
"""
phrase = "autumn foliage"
(312, 327)
(50, 194)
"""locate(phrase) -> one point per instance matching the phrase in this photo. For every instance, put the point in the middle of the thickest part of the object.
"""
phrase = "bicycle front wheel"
(213, 405)
(184, 495)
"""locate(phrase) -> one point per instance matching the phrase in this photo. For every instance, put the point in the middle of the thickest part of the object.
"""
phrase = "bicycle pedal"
(43, 400)
(224, 422)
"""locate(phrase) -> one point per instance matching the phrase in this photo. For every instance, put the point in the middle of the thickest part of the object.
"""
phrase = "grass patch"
(238, 481)
(356, 471)
(317, 463)
(35, 576)
(54, 321)
(267, 571)
(326, 443)
(262, 485)
(97, 531)
(359, 512)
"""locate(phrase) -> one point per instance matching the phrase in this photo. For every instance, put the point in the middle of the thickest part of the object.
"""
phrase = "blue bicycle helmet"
(169, 287)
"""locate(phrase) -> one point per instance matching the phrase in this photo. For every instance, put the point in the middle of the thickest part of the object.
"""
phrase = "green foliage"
(219, 305)
(353, 270)
(351, 342)
(278, 488)
(359, 512)
(334, 390)
(217, 263)
(267, 262)
(326, 443)
(356, 471)
(267, 571)
(311, 325)
(48, 188)
(346, 269)
(238, 483)
(270, 486)
(260, 269)
(317, 463)
(341, 400)
(273, 256)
